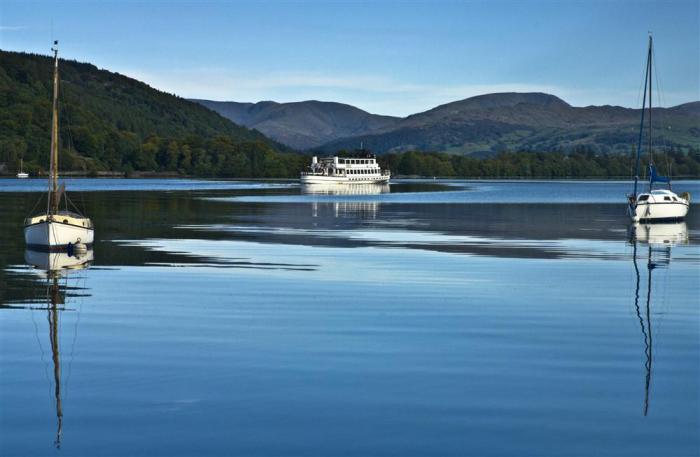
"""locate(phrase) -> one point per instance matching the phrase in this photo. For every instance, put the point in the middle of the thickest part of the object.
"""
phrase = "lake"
(422, 318)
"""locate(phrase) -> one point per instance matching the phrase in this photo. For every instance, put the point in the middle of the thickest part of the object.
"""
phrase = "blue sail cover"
(656, 178)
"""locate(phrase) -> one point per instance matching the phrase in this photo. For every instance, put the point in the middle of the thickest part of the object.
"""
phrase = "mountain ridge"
(486, 124)
(301, 125)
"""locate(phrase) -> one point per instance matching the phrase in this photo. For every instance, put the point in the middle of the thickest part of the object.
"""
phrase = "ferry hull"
(52, 235)
(659, 211)
(311, 179)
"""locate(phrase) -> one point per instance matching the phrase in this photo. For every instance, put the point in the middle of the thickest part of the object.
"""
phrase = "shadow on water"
(659, 239)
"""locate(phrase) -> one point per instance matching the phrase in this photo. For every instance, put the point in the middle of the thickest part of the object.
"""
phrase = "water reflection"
(659, 239)
(345, 189)
(56, 268)
(360, 209)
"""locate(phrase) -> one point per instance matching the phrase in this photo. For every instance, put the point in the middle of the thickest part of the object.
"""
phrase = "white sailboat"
(56, 229)
(21, 173)
(655, 205)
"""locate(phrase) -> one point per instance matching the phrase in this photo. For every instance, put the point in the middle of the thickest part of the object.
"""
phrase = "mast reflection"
(56, 267)
(659, 239)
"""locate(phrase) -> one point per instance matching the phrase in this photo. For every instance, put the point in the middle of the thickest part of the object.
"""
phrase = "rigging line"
(661, 98)
(75, 337)
(71, 144)
(664, 302)
(641, 84)
(41, 348)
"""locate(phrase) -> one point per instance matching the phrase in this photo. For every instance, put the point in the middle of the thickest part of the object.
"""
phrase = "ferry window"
(643, 198)
(668, 199)
(675, 199)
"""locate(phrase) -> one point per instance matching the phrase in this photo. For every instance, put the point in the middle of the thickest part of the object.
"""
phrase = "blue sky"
(387, 57)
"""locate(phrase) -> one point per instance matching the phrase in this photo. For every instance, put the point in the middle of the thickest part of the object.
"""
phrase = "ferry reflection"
(659, 239)
(351, 207)
(345, 189)
(55, 268)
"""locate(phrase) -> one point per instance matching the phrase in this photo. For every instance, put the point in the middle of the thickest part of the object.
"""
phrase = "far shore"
(172, 175)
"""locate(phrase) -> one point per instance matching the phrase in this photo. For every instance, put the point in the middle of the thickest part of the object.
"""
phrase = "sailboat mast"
(651, 154)
(53, 173)
(641, 123)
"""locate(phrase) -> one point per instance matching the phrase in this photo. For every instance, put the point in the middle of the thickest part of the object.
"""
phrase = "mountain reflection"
(658, 239)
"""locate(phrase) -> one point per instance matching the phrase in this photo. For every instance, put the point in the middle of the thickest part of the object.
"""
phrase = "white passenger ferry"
(342, 170)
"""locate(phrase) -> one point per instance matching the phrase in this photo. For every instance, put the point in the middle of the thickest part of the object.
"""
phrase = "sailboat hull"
(57, 235)
(659, 206)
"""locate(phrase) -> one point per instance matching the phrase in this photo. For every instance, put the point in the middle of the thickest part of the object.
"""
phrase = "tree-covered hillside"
(112, 122)
(548, 165)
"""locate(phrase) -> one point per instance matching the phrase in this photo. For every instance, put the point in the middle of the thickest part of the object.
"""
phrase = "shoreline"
(166, 176)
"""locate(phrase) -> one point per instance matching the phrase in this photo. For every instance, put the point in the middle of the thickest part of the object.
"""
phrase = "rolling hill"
(302, 125)
(492, 123)
(482, 125)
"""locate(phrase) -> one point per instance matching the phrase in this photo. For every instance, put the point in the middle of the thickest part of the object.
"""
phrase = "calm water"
(425, 318)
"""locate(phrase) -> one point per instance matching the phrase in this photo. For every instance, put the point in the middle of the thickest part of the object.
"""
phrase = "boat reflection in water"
(345, 189)
(351, 206)
(56, 270)
(657, 240)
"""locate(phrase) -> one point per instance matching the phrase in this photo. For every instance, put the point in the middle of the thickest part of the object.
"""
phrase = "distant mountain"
(302, 125)
(111, 122)
(482, 125)
(487, 124)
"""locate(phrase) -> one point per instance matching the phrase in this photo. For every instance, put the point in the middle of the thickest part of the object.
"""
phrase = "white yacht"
(345, 170)
(57, 229)
(655, 205)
